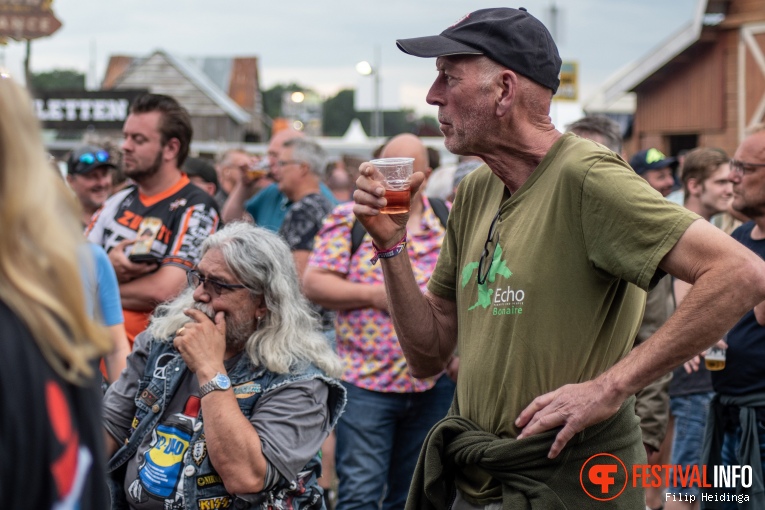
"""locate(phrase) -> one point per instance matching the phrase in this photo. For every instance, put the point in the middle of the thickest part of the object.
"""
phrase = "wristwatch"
(219, 382)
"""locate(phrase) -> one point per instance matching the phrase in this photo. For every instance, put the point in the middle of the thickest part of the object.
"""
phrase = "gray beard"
(237, 333)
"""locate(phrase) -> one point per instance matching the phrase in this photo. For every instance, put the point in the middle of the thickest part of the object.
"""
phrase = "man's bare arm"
(332, 291)
(728, 280)
(143, 294)
(233, 208)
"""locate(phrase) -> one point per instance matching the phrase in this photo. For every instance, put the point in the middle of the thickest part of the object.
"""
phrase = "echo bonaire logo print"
(504, 301)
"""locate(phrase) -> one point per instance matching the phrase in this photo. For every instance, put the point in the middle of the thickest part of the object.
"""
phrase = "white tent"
(355, 133)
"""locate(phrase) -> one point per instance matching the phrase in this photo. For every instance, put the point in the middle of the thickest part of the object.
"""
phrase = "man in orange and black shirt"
(178, 214)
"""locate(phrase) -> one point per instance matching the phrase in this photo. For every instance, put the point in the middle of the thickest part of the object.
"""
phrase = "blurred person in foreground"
(389, 411)
(89, 175)
(102, 295)
(229, 393)
(545, 307)
(52, 448)
(163, 201)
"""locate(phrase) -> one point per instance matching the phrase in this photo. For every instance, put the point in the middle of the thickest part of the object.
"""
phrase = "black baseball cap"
(201, 168)
(511, 37)
(85, 158)
(650, 159)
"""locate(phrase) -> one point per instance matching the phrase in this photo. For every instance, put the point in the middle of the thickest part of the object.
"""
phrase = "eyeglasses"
(487, 256)
(214, 287)
(741, 168)
(282, 164)
(90, 157)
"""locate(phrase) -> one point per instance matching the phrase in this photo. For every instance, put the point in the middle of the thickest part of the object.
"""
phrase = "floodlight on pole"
(365, 68)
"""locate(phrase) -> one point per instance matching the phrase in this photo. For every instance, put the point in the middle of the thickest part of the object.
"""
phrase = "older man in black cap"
(89, 175)
(545, 305)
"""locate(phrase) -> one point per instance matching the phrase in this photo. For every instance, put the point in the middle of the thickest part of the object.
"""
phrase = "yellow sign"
(569, 82)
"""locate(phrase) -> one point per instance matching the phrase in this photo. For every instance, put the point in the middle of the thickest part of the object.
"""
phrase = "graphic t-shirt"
(574, 249)
(50, 430)
(187, 214)
(300, 226)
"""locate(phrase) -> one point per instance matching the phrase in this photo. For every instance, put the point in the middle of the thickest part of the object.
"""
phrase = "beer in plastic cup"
(395, 175)
(714, 359)
(258, 169)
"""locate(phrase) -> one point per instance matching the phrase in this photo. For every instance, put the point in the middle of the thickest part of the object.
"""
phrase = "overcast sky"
(318, 43)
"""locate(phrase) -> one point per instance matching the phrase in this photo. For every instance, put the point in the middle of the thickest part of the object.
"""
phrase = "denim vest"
(202, 487)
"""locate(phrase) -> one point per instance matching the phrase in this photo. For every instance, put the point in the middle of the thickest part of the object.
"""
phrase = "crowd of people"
(251, 332)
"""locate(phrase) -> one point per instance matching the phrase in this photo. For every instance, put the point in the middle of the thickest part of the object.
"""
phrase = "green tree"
(58, 79)
(338, 113)
(272, 98)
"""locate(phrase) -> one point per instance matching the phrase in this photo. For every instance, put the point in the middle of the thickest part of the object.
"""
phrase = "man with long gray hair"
(229, 393)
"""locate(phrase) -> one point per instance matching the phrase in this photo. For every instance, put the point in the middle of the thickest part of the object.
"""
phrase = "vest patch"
(148, 398)
(211, 503)
(208, 480)
(247, 389)
(199, 451)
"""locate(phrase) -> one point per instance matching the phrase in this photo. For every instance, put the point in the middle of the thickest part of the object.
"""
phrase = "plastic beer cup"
(714, 359)
(395, 175)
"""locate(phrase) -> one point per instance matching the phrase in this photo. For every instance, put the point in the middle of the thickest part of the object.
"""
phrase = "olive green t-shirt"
(575, 248)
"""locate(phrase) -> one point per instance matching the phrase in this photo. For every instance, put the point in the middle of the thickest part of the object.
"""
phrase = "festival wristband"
(390, 252)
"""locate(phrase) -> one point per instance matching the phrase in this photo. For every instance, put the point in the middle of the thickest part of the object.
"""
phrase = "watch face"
(223, 382)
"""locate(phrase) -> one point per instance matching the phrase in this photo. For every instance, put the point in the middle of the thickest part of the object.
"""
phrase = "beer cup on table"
(395, 175)
(714, 359)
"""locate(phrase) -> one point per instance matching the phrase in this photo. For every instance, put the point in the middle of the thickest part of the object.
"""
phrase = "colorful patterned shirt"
(366, 340)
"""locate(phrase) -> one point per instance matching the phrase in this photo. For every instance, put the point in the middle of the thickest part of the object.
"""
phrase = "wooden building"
(221, 94)
(704, 86)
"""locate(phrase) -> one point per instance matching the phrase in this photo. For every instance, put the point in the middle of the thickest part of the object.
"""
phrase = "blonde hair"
(39, 272)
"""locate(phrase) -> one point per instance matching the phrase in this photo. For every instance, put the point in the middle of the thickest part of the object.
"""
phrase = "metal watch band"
(210, 386)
